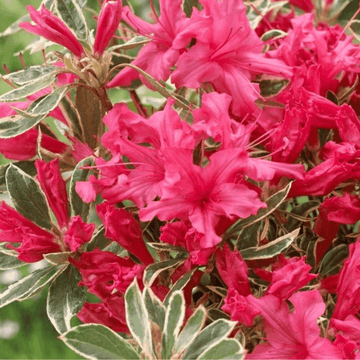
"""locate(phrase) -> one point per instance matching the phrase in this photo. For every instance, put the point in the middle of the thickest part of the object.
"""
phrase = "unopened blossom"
(52, 28)
(108, 22)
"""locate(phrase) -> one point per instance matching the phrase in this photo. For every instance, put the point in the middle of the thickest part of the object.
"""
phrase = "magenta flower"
(227, 55)
(54, 187)
(203, 195)
(78, 233)
(34, 241)
(123, 228)
(170, 35)
(52, 28)
(108, 22)
(296, 334)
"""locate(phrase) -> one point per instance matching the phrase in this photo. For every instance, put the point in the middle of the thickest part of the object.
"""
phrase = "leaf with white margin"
(28, 198)
(191, 329)
(174, 317)
(137, 317)
(225, 349)
(23, 288)
(271, 249)
(65, 298)
(95, 342)
(211, 335)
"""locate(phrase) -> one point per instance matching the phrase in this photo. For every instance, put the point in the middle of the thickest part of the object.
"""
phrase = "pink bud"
(52, 28)
(108, 22)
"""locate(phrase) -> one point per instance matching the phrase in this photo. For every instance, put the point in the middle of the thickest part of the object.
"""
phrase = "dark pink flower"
(110, 312)
(123, 228)
(78, 233)
(241, 308)
(10, 147)
(52, 28)
(104, 273)
(108, 22)
(54, 187)
(287, 276)
(34, 241)
(233, 270)
(348, 289)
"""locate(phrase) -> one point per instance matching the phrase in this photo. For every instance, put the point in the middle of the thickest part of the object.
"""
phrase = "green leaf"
(153, 270)
(154, 307)
(332, 261)
(269, 88)
(72, 116)
(273, 34)
(57, 258)
(28, 89)
(98, 241)
(249, 236)
(14, 28)
(187, 6)
(78, 206)
(137, 317)
(254, 16)
(191, 329)
(8, 261)
(95, 341)
(25, 286)
(271, 249)
(161, 89)
(215, 314)
(299, 211)
(65, 298)
(47, 103)
(225, 349)
(27, 166)
(15, 125)
(27, 197)
(70, 12)
(30, 74)
(131, 44)
(273, 202)
(211, 335)
(175, 314)
(179, 285)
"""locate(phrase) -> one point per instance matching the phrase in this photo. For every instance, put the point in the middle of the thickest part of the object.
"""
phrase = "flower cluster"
(230, 171)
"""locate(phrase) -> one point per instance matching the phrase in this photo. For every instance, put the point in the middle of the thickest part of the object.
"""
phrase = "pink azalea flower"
(52, 28)
(227, 55)
(170, 35)
(349, 327)
(123, 228)
(296, 334)
(108, 22)
(202, 195)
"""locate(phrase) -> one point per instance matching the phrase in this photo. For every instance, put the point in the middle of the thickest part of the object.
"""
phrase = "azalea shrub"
(211, 211)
